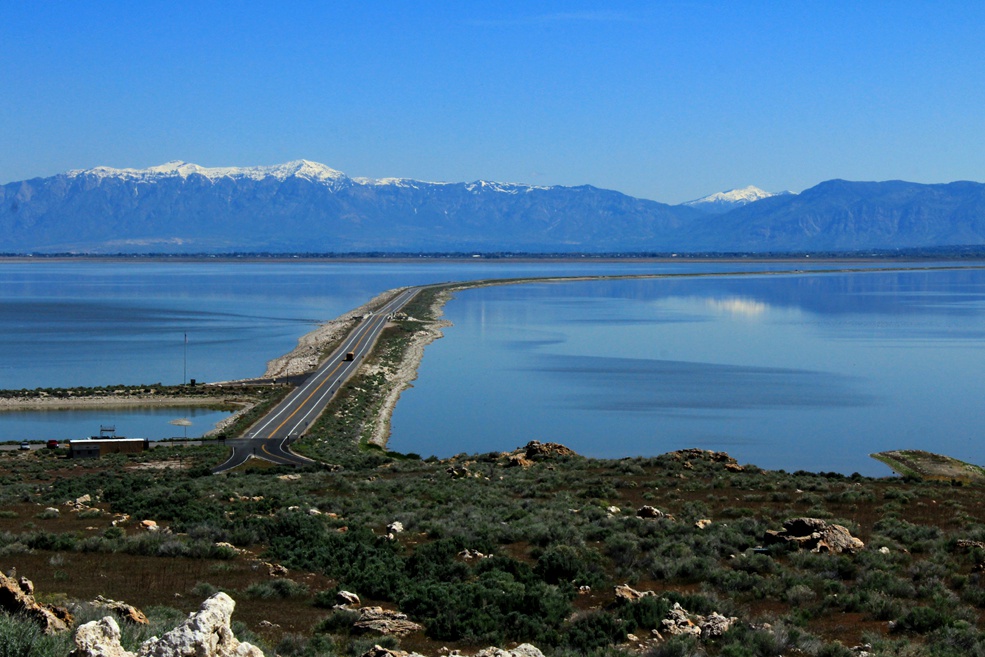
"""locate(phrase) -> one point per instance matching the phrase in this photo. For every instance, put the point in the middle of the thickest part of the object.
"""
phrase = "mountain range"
(306, 207)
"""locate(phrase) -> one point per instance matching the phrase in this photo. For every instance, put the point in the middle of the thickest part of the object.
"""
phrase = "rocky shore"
(312, 346)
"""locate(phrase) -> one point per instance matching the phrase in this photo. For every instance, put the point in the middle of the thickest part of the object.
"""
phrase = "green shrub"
(594, 630)
(276, 588)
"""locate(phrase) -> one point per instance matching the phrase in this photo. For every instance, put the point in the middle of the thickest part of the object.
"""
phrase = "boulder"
(815, 535)
(276, 570)
(518, 461)
(207, 633)
(522, 650)
(629, 594)
(677, 622)
(714, 624)
(469, 554)
(458, 471)
(17, 597)
(837, 539)
(395, 527)
(535, 449)
(385, 621)
(99, 639)
(703, 523)
(380, 651)
(648, 511)
(122, 610)
(346, 598)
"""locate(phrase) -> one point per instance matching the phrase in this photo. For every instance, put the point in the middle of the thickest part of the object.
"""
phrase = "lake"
(792, 371)
(98, 322)
(806, 371)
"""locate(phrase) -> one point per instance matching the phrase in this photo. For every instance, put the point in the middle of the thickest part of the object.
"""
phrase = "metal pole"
(184, 363)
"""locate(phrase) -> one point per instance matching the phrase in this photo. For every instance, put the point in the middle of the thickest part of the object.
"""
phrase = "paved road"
(269, 438)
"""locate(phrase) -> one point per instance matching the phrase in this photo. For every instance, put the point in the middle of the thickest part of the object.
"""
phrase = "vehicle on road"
(51, 444)
(25, 445)
(350, 356)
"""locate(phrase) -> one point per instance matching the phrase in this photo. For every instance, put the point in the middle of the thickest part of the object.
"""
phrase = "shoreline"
(8, 404)
(312, 347)
(406, 372)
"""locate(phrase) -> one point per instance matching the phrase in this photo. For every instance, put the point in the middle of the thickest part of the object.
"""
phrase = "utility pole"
(184, 363)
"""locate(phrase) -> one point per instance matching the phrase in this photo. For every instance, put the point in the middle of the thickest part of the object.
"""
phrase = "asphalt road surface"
(269, 439)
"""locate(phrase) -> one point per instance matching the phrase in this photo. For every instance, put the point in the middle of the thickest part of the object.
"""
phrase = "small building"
(93, 448)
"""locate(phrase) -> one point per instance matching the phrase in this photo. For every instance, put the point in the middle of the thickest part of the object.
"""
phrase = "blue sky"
(664, 100)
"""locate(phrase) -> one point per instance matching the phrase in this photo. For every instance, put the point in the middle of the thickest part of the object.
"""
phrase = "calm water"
(800, 371)
(86, 323)
(97, 323)
(793, 371)
(152, 423)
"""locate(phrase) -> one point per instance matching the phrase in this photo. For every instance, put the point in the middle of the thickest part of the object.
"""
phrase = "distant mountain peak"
(181, 169)
(733, 198)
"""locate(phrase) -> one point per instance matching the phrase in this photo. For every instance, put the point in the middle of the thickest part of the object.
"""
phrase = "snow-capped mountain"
(306, 207)
(178, 169)
(721, 202)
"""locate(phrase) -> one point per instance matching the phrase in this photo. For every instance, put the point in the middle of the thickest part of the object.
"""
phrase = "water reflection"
(811, 371)
(642, 385)
(738, 306)
(152, 423)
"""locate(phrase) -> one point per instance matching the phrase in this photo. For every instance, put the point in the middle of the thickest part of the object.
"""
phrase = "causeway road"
(270, 437)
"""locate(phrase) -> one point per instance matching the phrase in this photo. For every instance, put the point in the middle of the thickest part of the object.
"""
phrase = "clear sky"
(664, 100)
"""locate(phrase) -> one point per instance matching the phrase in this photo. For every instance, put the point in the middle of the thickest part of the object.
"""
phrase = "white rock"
(99, 639)
(206, 633)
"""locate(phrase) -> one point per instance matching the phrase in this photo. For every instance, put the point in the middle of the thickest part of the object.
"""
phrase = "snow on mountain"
(178, 169)
(505, 188)
(734, 198)
(305, 169)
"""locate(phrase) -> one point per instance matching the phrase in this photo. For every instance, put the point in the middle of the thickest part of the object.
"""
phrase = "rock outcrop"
(627, 593)
(99, 639)
(206, 633)
(384, 621)
(123, 611)
(694, 454)
(522, 650)
(17, 597)
(679, 621)
(815, 535)
(346, 599)
(536, 449)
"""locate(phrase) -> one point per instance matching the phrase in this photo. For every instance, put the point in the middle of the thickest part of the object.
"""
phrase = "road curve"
(269, 438)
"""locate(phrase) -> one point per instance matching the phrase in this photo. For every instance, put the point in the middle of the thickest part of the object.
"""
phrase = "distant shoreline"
(486, 258)
(311, 345)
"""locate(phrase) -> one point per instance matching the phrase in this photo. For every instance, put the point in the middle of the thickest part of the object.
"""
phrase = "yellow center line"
(272, 455)
(355, 347)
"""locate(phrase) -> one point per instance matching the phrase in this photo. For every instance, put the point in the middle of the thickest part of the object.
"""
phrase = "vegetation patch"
(928, 466)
